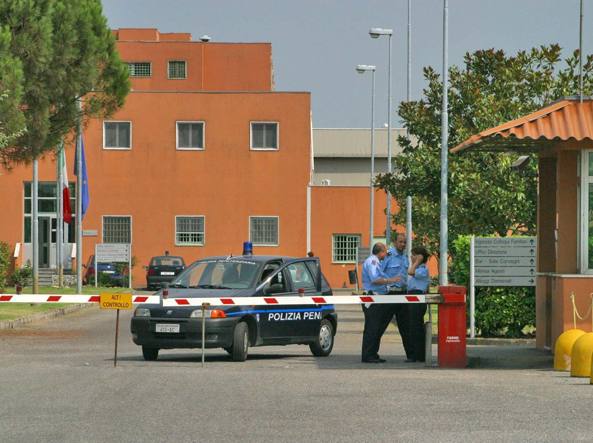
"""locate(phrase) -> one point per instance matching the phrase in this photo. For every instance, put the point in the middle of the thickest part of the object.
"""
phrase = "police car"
(236, 328)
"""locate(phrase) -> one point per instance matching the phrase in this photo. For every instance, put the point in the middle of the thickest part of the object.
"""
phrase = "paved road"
(58, 384)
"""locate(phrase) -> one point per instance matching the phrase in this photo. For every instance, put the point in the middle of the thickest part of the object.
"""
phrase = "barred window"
(117, 135)
(344, 248)
(264, 135)
(177, 69)
(140, 69)
(117, 229)
(189, 230)
(190, 135)
(263, 231)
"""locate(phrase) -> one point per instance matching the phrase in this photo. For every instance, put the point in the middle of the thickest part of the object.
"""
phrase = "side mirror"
(275, 288)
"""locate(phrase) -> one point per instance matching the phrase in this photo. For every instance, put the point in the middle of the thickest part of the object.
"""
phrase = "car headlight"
(196, 314)
(142, 312)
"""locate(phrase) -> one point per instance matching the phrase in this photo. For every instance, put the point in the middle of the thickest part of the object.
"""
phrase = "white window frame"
(583, 215)
(252, 122)
(265, 244)
(333, 249)
(111, 148)
(139, 76)
(203, 243)
(177, 78)
(203, 135)
(117, 215)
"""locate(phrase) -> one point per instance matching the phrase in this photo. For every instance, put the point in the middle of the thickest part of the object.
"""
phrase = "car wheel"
(240, 346)
(150, 354)
(324, 344)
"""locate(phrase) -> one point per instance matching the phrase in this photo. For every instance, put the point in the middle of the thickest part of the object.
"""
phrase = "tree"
(66, 51)
(12, 119)
(485, 195)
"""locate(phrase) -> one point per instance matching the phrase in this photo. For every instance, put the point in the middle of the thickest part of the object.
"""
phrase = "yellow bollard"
(563, 348)
(581, 356)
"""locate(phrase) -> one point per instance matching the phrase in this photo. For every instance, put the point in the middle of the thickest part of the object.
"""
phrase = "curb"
(501, 341)
(54, 313)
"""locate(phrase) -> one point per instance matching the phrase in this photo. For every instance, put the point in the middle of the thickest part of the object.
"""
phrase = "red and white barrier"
(68, 298)
(222, 301)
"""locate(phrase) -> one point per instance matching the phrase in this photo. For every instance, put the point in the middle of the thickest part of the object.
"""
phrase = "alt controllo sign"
(116, 301)
(505, 261)
(112, 252)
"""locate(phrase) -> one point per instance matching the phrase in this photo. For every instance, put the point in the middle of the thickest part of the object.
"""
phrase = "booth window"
(586, 212)
(190, 135)
(263, 231)
(264, 136)
(117, 229)
(345, 247)
(140, 69)
(117, 135)
(189, 230)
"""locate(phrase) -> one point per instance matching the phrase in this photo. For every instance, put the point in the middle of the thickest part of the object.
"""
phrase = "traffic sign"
(505, 251)
(112, 252)
(489, 271)
(115, 301)
(506, 241)
(505, 281)
(504, 261)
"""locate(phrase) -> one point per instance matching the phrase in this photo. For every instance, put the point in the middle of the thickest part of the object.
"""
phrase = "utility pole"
(35, 225)
(444, 223)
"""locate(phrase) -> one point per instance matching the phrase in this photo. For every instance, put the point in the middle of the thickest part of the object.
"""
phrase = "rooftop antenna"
(581, 53)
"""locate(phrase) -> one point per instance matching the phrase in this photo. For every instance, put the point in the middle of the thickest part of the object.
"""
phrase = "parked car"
(236, 328)
(116, 278)
(163, 269)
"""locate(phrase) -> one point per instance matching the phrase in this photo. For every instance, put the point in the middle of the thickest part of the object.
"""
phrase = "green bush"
(504, 311)
(4, 263)
(23, 276)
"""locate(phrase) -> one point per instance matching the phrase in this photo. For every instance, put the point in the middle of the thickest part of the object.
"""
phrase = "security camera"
(205, 38)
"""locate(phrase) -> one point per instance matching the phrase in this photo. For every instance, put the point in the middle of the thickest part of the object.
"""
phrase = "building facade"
(204, 155)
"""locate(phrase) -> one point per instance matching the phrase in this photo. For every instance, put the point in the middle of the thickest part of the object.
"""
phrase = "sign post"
(117, 302)
(500, 261)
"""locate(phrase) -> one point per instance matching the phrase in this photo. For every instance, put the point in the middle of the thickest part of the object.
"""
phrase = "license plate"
(167, 328)
(167, 273)
(108, 272)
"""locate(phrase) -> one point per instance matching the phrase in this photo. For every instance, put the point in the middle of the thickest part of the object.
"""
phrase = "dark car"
(236, 328)
(109, 270)
(163, 269)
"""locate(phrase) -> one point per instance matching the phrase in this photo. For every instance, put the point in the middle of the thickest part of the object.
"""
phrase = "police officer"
(376, 316)
(418, 283)
(396, 266)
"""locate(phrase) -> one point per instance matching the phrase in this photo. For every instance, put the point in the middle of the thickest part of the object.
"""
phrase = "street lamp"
(376, 33)
(361, 69)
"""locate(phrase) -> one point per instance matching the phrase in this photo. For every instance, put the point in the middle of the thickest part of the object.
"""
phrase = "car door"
(273, 320)
(303, 283)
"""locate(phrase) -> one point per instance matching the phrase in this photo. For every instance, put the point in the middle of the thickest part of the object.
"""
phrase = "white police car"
(236, 328)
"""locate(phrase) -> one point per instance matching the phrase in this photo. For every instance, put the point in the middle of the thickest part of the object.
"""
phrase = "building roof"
(565, 120)
(354, 142)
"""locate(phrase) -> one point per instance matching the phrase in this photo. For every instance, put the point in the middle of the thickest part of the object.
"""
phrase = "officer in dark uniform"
(376, 316)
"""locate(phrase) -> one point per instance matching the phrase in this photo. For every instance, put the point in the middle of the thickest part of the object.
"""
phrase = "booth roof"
(564, 120)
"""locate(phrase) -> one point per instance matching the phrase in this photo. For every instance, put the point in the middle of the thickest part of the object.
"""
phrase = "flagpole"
(79, 179)
(35, 226)
(60, 217)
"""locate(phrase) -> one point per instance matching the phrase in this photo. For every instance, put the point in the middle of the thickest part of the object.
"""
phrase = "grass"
(12, 311)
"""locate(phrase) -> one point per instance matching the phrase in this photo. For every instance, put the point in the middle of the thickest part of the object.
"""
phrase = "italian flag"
(67, 211)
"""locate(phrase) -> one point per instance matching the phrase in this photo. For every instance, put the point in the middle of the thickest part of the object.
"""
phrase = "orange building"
(203, 156)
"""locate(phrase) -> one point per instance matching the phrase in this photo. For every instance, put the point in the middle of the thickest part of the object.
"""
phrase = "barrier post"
(428, 338)
(452, 352)
(204, 307)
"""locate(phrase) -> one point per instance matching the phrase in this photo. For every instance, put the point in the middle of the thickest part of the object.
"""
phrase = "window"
(345, 247)
(189, 230)
(190, 135)
(177, 69)
(301, 278)
(264, 135)
(117, 135)
(117, 229)
(263, 231)
(586, 216)
(140, 69)
(47, 204)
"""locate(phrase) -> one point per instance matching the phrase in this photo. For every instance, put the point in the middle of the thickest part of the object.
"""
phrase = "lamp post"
(444, 221)
(376, 33)
(361, 69)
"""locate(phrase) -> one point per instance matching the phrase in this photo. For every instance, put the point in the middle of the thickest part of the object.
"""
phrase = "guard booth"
(562, 136)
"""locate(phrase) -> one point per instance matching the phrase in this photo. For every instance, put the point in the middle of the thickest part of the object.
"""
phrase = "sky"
(317, 44)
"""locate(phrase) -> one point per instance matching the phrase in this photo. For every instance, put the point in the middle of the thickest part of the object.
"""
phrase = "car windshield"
(166, 261)
(218, 274)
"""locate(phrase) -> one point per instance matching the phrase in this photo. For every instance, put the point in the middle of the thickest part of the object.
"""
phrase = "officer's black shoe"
(374, 360)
